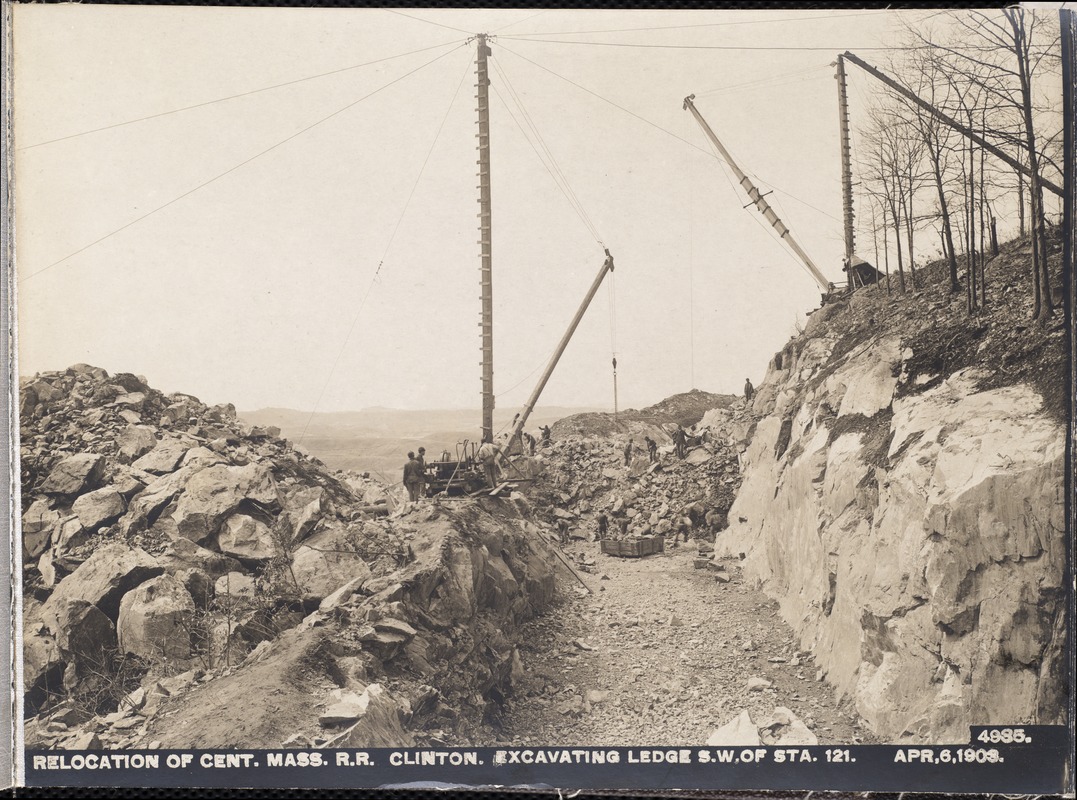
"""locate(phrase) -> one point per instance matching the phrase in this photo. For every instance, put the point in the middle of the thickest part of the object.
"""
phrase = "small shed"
(861, 272)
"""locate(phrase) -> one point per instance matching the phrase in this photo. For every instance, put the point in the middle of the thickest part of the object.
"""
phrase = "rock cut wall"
(912, 528)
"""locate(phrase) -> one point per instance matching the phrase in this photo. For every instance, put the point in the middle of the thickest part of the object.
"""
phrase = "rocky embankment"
(193, 581)
(902, 500)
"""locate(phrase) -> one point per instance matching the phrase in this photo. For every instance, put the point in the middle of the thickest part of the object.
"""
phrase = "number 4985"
(1004, 736)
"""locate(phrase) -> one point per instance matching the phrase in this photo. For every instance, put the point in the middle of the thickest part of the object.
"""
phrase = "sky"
(281, 226)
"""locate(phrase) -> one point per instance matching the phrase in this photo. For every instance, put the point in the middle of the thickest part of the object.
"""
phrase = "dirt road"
(662, 654)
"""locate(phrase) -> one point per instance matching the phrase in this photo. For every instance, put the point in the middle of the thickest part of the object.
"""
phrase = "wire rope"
(234, 96)
(232, 169)
(385, 253)
(554, 168)
(698, 25)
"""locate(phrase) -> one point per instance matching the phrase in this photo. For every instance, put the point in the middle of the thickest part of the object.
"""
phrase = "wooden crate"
(634, 548)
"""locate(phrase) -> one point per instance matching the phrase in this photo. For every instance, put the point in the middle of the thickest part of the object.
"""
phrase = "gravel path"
(661, 654)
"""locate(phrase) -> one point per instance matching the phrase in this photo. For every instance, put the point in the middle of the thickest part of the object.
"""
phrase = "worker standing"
(487, 456)
(628, 452)
(652, 448)
(421, 458)
(545, 434)
(414, 477)
(603, 527)
(680, 441)
(749, 390)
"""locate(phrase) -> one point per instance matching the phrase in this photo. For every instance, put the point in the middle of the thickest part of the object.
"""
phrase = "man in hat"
(414, 477)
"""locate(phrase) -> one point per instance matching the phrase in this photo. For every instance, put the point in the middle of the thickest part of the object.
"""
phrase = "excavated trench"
(662, 653)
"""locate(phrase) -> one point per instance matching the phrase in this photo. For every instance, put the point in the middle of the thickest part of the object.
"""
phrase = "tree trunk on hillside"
(983, 222)
(909, 236)
(886, 252)
(1021, 203)
(1044, 306)
(897, 240)
(947, 231)
(970, 230)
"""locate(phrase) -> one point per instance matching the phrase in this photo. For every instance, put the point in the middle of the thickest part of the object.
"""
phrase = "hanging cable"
(385, 253)
(555, 170)
(668, 132)
(431, 22)
(234, 96)
(730, 47)
(549, 170)
(229, 171)
(517, 22)
(698, 25)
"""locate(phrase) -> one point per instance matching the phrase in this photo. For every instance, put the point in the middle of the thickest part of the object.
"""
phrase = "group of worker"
(415, 478)
(488, 455)
(693, 517)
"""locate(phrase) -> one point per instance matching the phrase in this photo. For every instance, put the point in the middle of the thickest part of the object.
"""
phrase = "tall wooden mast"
(846, 167)
(487, 322)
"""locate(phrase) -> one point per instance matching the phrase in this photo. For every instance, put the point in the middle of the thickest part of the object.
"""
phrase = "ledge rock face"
(914, 538)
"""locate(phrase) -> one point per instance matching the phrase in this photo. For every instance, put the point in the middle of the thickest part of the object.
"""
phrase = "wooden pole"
(846, 166)
(485, 240)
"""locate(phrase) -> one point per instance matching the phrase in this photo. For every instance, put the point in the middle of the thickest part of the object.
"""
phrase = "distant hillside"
(685, 409)
(378, 439)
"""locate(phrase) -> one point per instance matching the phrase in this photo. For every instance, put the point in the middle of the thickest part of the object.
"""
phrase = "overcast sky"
(230, 250)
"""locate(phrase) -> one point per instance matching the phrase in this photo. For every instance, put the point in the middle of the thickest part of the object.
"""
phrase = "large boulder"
(75, 474)
(234, 586)
(102, 580)
(738, 732)
(245, 537)
(156, 620)
(326, 561)
(165, 457)
(135, 441)
(70, 539)
(215, 493)
(181, 554)
(303, 507)
(86, 637)
(147, 504)
(37, 526)
(98, 508)
(378, 721)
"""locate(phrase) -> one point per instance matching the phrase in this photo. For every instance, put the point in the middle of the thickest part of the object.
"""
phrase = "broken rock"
(165, 457)
(98, 508)
(135, 441)
(37, 525)
(213, 494)
(106, 576)
(739, 732)
(155, 620)
(246, 537)
(75, 474)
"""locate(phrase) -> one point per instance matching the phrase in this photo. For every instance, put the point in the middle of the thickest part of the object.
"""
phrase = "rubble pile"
(171, 553)
(586, 476)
